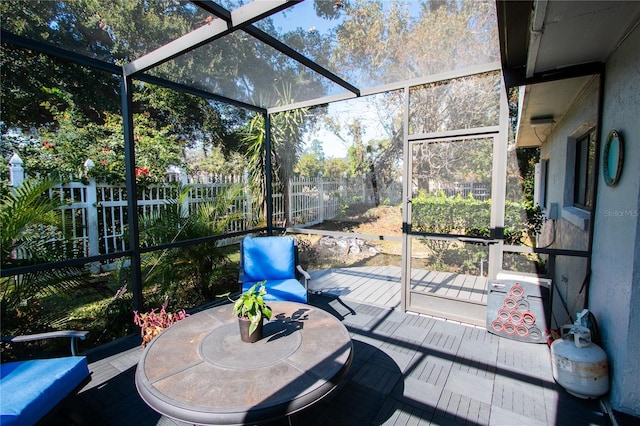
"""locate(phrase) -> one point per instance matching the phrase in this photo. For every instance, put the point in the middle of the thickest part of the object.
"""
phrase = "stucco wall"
(570, 272)
(615, 288)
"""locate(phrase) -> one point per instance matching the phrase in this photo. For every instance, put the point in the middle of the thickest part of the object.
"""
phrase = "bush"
(439, 214)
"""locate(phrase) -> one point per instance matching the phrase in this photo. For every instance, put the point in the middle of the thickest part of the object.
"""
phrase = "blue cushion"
(281, 290)
(30, 389)
(268, 258)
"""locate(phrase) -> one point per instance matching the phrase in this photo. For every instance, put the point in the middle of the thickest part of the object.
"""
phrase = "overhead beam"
(216, 28)
(312, 103)
(519, 78)
(513, 32)
(158, 81)
(434, 78)
(214, 8)
(257, 33)
(283, 48)
(55, 51)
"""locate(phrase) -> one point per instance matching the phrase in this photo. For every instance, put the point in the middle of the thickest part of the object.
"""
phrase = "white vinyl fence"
(96, 213)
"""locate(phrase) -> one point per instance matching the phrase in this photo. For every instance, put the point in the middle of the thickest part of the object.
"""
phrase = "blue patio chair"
(29, 390)
(274, 259)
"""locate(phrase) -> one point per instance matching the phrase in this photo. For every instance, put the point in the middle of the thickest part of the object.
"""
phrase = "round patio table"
(199, 371)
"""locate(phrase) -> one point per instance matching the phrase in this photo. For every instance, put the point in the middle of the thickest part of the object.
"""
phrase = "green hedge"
(438, 213)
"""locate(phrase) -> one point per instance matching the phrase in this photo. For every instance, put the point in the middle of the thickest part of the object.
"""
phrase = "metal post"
(498, 184)
(405, 280)
(126, 95)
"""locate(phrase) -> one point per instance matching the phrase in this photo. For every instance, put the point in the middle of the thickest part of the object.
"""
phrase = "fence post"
(320, 198)
(248, 214)
(92, 217)
(364, 188)
(289, 210)
(16, 171)
(343, 184)
(184, 207)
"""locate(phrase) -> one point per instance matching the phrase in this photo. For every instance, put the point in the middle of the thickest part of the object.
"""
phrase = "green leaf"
(266, 311)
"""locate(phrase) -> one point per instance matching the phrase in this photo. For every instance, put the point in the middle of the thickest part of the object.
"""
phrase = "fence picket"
(97, 212)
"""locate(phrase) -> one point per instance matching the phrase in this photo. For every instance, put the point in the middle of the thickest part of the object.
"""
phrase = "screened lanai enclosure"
(375, 132)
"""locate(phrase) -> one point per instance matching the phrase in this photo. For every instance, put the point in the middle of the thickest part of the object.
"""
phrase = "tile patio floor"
(407, 370)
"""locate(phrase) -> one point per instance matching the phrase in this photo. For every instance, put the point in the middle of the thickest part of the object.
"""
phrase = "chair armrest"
(305, 275)
(72, 334)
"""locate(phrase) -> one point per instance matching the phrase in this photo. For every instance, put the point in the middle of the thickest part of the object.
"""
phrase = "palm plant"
(32, 232)
(196, 266)
(287, 128)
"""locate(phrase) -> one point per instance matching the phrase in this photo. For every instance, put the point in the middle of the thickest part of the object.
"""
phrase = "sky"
(346, 111)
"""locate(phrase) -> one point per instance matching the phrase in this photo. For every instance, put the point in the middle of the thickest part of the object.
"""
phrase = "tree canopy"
(57, 114)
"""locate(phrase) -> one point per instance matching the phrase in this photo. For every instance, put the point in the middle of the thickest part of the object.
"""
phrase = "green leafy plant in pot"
(251, 310)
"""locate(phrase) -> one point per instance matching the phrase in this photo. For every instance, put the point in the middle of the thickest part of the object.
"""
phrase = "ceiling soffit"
(554, 49)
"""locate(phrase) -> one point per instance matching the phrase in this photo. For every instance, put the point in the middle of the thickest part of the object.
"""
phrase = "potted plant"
(251, 310)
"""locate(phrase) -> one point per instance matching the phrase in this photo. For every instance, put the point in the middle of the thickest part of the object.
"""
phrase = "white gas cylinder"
(579, 365)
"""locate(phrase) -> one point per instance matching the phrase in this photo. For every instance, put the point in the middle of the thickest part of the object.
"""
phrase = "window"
(585, 154)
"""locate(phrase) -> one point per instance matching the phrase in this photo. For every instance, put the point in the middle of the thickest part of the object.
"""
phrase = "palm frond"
(33, 232)
(23, 211)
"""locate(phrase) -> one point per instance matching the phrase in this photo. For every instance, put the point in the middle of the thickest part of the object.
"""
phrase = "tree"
(317, 150)
(309, 165)
(379, 42)
(336, 168)
(44, 98)
(214, 162)
(378, 157)
(383, 43)
(287, 128)
(119, 32)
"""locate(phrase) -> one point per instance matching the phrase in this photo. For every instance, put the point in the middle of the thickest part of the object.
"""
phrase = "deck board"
(407, 370)
(459, 284)
(363, 277)
(380, 285)
(376, 283)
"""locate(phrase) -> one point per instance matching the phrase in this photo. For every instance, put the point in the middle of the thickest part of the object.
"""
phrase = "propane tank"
(579, 365)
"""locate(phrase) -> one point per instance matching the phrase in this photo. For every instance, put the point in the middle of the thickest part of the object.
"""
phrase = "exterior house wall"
(570, 230)
(614, 293)
(615, 283)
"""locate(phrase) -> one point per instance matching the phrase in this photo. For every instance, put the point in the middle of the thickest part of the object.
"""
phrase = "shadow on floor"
(407, 369)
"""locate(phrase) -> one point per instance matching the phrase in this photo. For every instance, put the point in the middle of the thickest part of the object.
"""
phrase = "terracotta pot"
(245, 323)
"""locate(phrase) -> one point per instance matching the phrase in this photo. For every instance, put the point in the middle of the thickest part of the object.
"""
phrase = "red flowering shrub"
(142, 171)
(151, 323)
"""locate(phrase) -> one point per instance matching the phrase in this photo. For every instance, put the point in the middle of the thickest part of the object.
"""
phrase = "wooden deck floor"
(380, 286)
(407, 370)
(458, 286)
